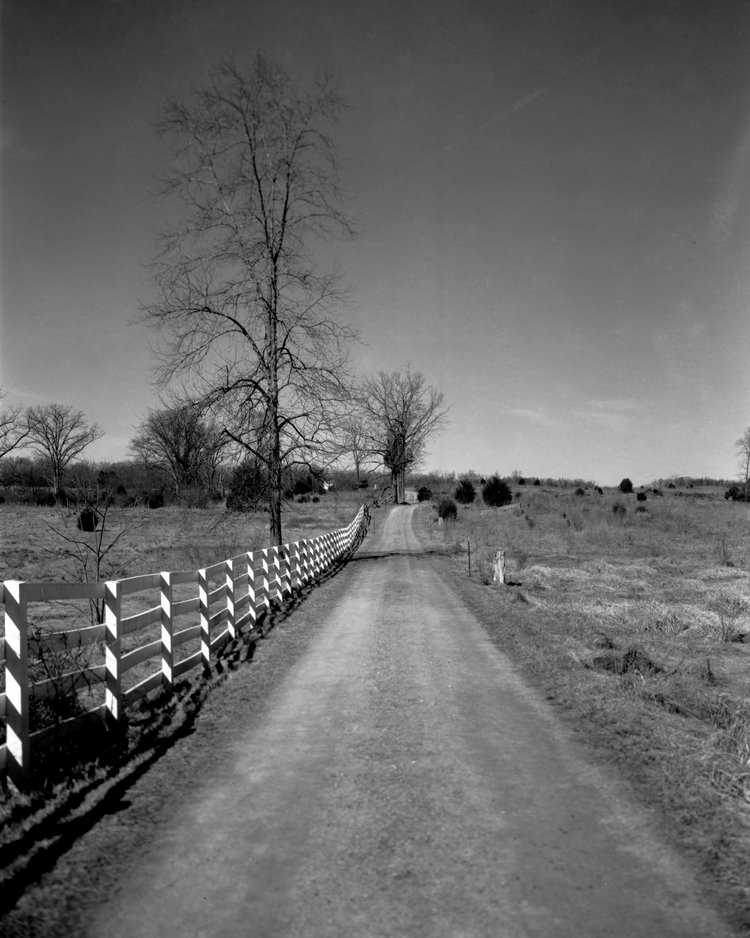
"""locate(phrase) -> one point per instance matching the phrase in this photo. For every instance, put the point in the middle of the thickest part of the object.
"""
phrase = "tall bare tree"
(178, 441)
(403, 411)
(245, 316)
(59, 435)
(743, 450)
(13, 427)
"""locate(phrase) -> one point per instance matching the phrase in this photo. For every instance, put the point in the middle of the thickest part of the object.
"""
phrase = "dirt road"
(404, 781)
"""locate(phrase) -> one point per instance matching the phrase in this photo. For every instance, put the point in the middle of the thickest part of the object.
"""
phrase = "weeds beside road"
(629, 623)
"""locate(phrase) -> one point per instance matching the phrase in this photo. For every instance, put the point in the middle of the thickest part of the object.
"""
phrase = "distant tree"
(59, 434)
(13, 426)
(465, 492)
(182, 444)
(743, 450)
(626, 486)
(244, 313)
(403, 411)
(496, 492)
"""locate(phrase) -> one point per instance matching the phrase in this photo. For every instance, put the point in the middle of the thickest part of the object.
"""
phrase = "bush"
(465, 492)
(626, 486)
(447, 509)
(736, 493)
(247, 486)
(641, 497)
(424, 494)
(580, 491)
(496, 492)
(537, 481)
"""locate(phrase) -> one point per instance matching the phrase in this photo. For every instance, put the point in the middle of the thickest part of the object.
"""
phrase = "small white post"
(499, 576)
(16, 682)
(167, 630)
(113, 650)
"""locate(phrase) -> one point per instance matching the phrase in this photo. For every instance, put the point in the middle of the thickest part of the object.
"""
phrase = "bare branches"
(402, 413)
(180, 442)
(244, 316)
(13, 428)
(59, 434)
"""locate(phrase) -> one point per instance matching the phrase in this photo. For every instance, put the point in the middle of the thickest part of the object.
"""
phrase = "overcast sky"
(552, 198)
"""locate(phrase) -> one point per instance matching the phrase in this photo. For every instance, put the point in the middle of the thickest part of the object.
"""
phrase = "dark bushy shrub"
(247, 486)
(580, 491)
(155, 500)
(447, 509)
(736, 493)
(424, 494)
(496, 492)
(626, 486)
(465, 492)
(641, 497)
(537, 481)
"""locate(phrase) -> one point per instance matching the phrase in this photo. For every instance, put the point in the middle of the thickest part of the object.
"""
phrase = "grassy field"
(632, 624)
(43, 544)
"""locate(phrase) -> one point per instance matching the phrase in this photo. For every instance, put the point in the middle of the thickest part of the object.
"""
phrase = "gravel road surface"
(405, 781)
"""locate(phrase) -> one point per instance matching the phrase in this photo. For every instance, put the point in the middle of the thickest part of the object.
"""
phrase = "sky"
(552, 200)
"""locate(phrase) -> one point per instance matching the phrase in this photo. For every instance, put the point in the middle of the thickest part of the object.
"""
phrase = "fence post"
(229, 573)
(167, 630)
(16, 682)
(113, 650)
(205, 618)
(250, 560)
(274, 580)
(286, 571)
(304, 559)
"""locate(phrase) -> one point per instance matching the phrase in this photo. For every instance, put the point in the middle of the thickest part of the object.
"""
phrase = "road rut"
(405, 781)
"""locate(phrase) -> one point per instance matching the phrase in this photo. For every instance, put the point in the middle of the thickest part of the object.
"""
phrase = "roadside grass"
(631, 623)
(153, 540)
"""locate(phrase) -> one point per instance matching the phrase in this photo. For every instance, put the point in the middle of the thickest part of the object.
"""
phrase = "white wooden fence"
(232, 595)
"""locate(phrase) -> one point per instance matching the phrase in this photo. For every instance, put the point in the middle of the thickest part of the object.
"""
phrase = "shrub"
(465, 492)
(247, 486)
(424, 494)
(447, 509)
(496, 492)
(537, 481)
(580, 491)
(599, 490)
(736, 493)
(641, 497)
(626, 486)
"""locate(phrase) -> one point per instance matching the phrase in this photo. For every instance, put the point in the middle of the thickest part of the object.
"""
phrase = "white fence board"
(71, 640)
(142, 688)
(140, 620)
(138, 655)
(64, 683)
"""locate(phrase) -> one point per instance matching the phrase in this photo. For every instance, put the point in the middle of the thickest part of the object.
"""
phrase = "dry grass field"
(44, 544)
(632, 624)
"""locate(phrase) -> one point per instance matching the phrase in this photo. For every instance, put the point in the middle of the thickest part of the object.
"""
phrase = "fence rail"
(232, 595)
